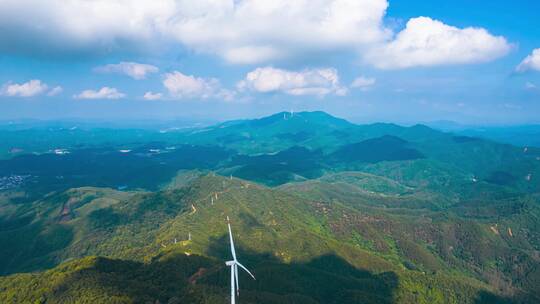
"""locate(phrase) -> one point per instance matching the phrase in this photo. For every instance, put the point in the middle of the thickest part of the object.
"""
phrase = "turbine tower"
(235, 287)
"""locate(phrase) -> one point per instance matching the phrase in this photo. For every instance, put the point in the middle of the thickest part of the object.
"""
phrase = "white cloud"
(152, 96)
(190, 87)
(55, 91)
(103, 93)
(307, 82)
(96, 27)
(252, 31)
(28, 89)
(531, 62)
(363, 83)
(240, 31)
(428, 42)
(252, 54)
(530, 86)
(511, 106)
(132, 69)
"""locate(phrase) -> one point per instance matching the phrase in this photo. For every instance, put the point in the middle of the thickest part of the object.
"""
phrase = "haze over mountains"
(347, 213)
(519, 135)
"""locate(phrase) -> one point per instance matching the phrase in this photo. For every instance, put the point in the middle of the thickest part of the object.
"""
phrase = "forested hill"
(322, 210)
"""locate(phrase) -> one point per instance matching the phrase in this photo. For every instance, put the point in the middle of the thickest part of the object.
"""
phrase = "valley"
(347, 213)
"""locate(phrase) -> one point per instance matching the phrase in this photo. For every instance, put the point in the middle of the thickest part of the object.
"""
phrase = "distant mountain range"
(323, 210)
(519, 135)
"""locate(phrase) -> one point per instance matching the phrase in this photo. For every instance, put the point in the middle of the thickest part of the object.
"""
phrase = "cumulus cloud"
(103, 93)
(531, 62)
(152, 96)
(530, 86)
(28, 89)
(307, 82)
(244, 31)
(240, 31)
(252, 31)
(183, 86)
(132, 69)
(428, 42)
(55, 91)
(363, 83)
(59, 27)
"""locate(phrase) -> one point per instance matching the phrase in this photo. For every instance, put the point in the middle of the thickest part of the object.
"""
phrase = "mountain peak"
(315, 117)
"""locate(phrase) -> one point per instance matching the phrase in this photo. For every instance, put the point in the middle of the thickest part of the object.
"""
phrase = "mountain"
(323, 211)
(275, 133)
(278, 235)
(385, 148)
(525, 136)
(142, 159)
(518, 135)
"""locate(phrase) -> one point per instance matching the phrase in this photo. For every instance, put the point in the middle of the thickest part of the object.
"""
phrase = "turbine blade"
(236, 279)
(232, 242)
(243, 267)
(233, 300)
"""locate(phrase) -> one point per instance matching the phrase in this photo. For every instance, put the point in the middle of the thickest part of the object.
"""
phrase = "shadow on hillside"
(174, 277)
(488, 298)
(325, 279)
(100, 280)
(485, 297)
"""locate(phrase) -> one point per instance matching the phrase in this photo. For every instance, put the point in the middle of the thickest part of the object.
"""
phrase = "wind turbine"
(234, 268)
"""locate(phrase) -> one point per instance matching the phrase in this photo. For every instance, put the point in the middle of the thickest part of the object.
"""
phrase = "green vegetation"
(348, 214)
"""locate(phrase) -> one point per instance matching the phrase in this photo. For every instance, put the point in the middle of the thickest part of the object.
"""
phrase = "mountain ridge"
(406, 214)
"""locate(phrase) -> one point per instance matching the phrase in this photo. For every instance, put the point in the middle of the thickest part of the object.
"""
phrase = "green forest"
(322, 210)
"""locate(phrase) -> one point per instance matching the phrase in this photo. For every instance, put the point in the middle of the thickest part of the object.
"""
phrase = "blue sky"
(472, 62)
